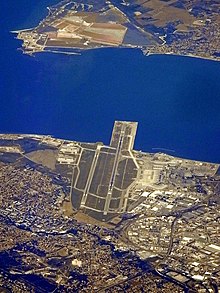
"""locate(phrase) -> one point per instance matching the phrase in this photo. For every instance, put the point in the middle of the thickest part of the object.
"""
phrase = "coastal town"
(161, 234)
(46, 247)
(186, 28)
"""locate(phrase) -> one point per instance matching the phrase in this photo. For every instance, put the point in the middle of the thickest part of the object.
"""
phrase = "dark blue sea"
(176, 100)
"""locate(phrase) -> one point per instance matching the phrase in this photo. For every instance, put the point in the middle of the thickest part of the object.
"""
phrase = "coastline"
(180, 55)
(31, 45)
(148, 54)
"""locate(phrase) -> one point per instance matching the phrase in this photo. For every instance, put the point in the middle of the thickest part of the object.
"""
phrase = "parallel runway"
(105, 174)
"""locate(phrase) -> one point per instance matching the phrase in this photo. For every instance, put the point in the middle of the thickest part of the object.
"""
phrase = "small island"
(187, 28)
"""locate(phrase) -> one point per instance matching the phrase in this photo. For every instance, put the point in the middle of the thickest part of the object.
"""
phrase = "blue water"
(176, 100)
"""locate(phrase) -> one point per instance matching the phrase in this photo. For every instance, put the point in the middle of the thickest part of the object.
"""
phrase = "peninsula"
(187, 28)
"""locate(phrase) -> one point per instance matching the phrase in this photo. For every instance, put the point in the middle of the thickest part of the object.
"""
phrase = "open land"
(186, 27)
(90, 217)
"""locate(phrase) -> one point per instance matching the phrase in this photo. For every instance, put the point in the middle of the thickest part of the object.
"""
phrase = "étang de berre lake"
(175, 99)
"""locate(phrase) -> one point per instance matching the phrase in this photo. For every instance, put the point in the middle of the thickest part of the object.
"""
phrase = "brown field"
(71, 28)
(83, 218)
(66, 43)
(103, 39)
(44, 157)
(67, 35)
(72, 23)
(88, 16)
(162, 13)
(118, 34)
(121, 18)
(76, 29)
(113, 26)
(61, 25)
